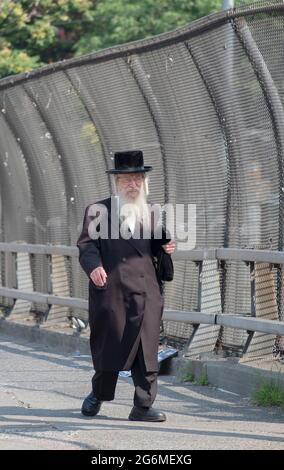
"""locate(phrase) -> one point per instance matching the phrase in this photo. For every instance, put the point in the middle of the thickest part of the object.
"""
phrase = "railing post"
(195, 326)
(10, 277)
(22, 308)
(252, 303)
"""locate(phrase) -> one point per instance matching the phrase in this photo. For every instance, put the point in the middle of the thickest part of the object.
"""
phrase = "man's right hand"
(99, 276)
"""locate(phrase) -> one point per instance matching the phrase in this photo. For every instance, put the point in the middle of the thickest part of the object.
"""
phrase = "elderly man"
(125, 301)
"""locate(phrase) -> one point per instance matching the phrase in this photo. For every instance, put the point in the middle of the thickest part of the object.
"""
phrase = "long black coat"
(130, 307)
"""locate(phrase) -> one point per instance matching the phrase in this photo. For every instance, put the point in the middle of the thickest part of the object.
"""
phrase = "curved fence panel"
(205, 104)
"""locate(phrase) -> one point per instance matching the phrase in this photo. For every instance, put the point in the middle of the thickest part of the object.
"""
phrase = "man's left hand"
(169, 247)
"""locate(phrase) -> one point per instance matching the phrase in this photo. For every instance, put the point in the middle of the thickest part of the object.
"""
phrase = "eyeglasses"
(128, 178)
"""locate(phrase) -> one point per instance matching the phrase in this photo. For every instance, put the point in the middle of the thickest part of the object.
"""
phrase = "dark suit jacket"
(129, 308)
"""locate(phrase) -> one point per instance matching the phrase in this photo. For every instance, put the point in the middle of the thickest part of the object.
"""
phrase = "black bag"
(164, 266)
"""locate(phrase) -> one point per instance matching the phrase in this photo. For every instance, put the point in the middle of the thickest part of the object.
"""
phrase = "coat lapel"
(114, 227)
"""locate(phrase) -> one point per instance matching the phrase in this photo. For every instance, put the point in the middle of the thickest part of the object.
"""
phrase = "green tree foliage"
(34, 33)
(120, 21)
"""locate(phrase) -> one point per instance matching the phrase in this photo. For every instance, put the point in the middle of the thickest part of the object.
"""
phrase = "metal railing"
(245, 322)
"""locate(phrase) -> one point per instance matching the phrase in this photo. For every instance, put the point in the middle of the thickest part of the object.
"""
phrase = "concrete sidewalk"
(41, 394)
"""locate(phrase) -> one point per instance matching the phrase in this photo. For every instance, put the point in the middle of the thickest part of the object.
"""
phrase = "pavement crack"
(19, 402)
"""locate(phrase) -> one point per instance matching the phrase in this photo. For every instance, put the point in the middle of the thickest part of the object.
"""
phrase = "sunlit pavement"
(41, 394)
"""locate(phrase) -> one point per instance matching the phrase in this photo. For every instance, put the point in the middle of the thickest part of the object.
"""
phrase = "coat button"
(123, 259)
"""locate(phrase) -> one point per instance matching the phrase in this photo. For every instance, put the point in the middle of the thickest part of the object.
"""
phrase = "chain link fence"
(205, 104)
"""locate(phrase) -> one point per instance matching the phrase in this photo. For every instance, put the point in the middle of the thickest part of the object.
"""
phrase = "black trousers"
(145, 383)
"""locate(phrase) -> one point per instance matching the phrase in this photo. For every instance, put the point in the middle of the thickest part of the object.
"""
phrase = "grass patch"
(203, 379)
(189, 377)
(269, 394)
(186, 372)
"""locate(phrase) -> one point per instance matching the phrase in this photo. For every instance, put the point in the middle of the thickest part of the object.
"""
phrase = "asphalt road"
(41, 394)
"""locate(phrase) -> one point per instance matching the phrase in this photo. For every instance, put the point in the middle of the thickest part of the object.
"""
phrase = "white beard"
(132, 212)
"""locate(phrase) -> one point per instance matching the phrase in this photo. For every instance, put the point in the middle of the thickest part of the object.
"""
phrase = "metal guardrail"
(244, 322)
(234, 321)
(62, 250)
(199, 254)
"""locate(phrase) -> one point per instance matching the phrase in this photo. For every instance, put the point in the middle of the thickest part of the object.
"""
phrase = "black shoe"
(91, 405)
(146, 414)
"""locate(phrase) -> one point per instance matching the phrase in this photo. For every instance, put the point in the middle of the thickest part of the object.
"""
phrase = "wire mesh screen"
(204, 103)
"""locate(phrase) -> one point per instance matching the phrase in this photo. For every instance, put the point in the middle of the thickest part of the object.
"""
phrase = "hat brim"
(130, 170)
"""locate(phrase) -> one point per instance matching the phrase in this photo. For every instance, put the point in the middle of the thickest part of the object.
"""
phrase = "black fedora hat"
(129, 161)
